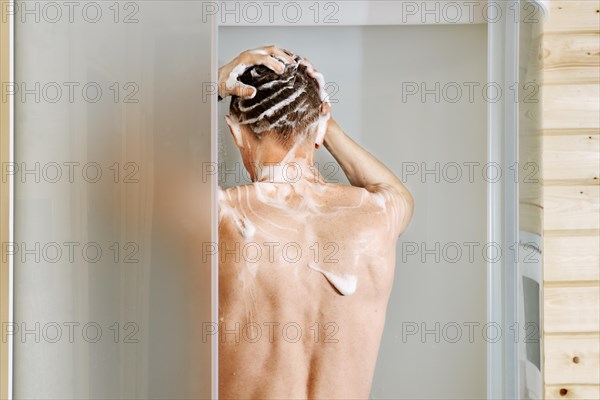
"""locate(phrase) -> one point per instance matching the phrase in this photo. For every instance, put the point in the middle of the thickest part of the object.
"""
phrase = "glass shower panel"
(112, 126)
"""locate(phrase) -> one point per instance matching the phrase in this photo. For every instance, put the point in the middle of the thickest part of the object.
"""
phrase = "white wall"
(368, 66)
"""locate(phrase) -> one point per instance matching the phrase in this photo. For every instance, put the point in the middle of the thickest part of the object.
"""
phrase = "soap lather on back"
(324, 274)
(305, 266)
(342, 228)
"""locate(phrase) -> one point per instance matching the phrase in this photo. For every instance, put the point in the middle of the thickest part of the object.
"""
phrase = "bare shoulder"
(230, 195)
(225, 194)
(399, 206)
(233, 223)
(373, 204)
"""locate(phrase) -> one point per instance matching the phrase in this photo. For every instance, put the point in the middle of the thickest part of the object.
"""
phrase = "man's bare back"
(305, 267)
(305, 273)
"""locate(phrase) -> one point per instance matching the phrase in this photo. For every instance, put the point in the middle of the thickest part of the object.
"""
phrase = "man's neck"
(274, 163)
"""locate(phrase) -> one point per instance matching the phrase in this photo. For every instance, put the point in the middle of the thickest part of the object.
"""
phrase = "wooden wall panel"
(570, 170)
(571, 157)
(572, 391)
(572, 16)
(570, 58)
(571, 258)
(570, 106)
(571, 309)
(572, 359)
(571, 207)
(531, 217)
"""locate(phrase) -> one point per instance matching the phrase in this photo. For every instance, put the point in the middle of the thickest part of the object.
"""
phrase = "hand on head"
(269, 56)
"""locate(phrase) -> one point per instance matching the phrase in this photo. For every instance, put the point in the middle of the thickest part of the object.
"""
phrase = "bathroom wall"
(570, 128)
(433, 345)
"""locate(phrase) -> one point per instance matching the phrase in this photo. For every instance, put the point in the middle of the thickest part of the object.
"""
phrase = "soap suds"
(259, 52)
(271, 111)
(319, 77)
(345, 284)
(253, 106)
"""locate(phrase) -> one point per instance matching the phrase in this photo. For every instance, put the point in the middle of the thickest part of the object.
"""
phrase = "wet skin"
(306, 267)
(292, 333)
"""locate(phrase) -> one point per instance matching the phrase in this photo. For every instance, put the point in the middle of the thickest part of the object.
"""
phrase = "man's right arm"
(364, 170)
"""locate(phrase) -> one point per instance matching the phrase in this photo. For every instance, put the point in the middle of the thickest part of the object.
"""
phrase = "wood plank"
(570, 15)
(571, 232)
(571, 207)
(571, 258)
(571, 309)
(572, 182)
(531, 183)
(531, 192)
(530, 218)
(571, 106)
(571, 391)
(570, 57)
(530, 167)
(530, 179)
(572, 359)
(530, 151)
(552, 132)
(571, 157)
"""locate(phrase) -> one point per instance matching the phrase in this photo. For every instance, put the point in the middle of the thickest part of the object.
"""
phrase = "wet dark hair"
(285, 105)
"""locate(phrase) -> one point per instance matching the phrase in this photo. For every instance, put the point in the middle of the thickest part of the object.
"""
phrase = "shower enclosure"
(116, 145)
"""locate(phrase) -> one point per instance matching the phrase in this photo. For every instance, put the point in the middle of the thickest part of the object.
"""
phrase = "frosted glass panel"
(111, 127)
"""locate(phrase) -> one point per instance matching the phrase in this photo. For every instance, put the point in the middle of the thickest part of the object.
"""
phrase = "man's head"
(286, 108)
